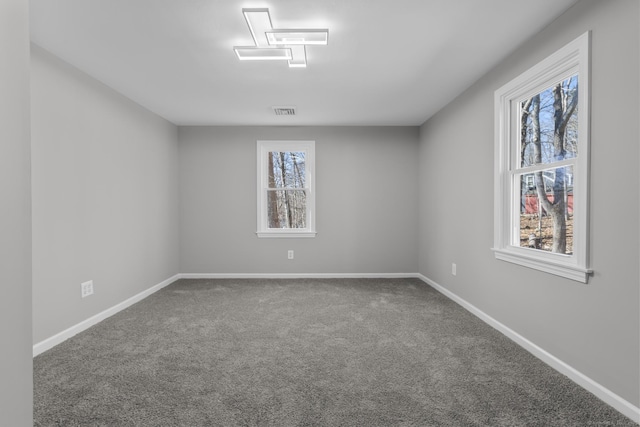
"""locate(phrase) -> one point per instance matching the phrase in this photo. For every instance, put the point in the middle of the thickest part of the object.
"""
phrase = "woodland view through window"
(548, 148)
(541, 175)
(286, 196)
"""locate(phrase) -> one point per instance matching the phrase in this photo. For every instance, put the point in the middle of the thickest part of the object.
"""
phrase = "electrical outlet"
(86, 288)
(453, 268)
(290, 254)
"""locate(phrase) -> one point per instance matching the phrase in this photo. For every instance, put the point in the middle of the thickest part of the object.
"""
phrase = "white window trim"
(263, 148)
(572, 58)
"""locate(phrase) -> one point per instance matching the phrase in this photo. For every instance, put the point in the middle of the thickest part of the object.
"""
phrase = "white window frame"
(263, 149)
(569, 60)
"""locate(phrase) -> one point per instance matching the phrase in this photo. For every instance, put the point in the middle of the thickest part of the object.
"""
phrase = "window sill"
(286, 234)
(573, 272)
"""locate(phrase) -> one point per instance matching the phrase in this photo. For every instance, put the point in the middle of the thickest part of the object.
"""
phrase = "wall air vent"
(284, 111)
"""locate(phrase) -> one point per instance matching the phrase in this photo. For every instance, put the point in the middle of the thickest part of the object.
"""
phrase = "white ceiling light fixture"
(278, 44)
(299, 56)
(260, 53)
(297, 37)
(259, 22)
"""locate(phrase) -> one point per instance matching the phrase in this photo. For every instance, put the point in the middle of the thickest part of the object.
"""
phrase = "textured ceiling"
(387, 62)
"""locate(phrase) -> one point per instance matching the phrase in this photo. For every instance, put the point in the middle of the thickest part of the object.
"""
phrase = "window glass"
(549, 124)
(286, 169)
(537, 220)
(287, 208)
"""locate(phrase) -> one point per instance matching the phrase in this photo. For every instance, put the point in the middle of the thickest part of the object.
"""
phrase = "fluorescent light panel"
(261, 53)
(297, 37)
(276, 44)
(259, 22)
(299, 57)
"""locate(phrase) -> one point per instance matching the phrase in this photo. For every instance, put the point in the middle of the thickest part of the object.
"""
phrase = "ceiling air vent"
(284, 111)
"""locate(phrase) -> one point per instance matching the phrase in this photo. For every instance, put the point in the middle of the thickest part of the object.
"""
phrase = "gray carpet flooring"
(312, 352)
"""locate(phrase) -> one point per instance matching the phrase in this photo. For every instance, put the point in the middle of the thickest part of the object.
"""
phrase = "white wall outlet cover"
(86, 288)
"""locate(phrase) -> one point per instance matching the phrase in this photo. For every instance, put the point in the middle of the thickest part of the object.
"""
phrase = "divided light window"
(286, 197)
(541, 165)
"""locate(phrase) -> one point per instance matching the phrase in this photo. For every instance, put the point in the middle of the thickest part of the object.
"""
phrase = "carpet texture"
(325, 352)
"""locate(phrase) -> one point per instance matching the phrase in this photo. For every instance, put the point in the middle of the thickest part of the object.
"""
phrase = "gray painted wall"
(15, 217)
(105, 201)
(594, 327)
(366, 197)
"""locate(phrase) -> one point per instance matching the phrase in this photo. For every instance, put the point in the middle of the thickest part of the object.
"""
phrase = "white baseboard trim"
(621, 405)
(51, 342)
(299, 275)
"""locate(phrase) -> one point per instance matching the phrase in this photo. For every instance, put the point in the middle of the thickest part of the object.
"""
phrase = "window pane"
(287, 208)
(546, 210)
(287, 169)
(549, 124)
